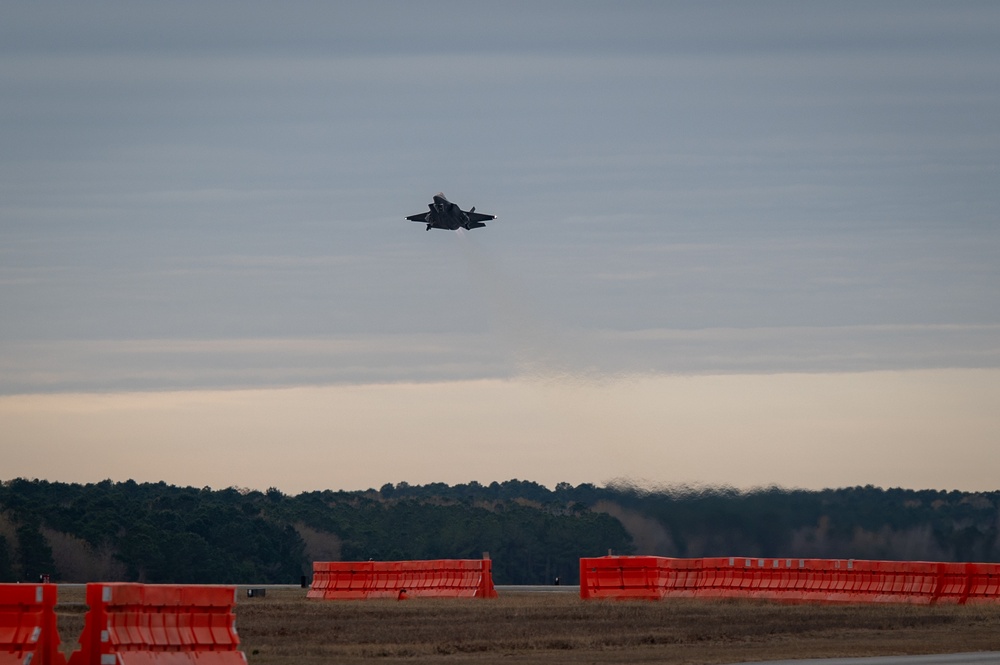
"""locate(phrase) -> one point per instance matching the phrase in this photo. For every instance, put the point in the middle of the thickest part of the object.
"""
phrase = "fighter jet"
(446, 215)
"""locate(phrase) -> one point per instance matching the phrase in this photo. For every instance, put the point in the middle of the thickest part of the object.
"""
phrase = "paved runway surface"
(981, 658)
(538, 588)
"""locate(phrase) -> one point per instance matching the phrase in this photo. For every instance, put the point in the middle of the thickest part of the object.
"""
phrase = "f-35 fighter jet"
(446, 215)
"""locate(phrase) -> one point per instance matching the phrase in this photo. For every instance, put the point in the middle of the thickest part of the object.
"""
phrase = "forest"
(159, 533)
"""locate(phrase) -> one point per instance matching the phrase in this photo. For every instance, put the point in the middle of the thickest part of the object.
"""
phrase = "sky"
(741, 244)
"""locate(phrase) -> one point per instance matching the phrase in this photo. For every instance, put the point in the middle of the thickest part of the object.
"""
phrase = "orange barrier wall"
(151, 624)
(439, 578)
(790, 580)
(28, 625)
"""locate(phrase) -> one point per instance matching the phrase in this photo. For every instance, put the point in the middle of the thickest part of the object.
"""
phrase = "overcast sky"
(735, 242)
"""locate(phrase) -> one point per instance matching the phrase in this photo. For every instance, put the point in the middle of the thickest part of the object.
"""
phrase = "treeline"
(154, 532)
(160, 533)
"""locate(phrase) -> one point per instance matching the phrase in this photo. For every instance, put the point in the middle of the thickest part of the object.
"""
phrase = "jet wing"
(479, 217)
(420, 217)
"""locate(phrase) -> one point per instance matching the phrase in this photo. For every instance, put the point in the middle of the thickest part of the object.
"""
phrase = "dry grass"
(284, 628)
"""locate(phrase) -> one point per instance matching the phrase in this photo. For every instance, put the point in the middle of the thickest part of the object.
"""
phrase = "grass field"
(284, 628)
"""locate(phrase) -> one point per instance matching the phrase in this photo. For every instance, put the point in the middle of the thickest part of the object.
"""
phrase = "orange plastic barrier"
(790, 580)
(621, 577)
(438, 578)
(28, 625)
(159, 624)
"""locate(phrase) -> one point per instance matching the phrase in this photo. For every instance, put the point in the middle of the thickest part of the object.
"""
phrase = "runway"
(980, 658)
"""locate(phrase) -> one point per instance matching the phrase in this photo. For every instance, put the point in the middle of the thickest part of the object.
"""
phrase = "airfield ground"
(283, 628)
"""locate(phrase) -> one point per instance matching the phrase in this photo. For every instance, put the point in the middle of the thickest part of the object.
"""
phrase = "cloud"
(522, 345)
